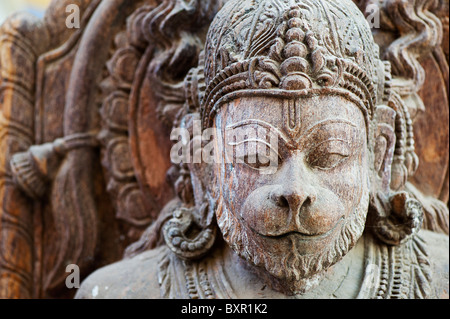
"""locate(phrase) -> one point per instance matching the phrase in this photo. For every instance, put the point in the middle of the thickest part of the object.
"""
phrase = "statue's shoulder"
(438, 253)
(127, 279)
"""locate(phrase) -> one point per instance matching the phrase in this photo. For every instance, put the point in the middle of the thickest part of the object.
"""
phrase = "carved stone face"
(301, 211)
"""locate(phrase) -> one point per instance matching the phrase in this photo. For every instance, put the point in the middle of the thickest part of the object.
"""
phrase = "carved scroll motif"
(157, 97)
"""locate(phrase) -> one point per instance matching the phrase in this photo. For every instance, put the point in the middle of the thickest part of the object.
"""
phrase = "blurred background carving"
(36, 7)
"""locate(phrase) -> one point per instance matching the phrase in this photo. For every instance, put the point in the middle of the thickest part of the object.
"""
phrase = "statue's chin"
(287, 270)
(289, 286)
(281, 262)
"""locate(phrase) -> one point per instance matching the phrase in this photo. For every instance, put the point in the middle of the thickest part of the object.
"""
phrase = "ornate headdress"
(291, 47)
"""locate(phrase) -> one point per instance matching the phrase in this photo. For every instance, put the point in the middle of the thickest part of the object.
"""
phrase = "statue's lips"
(301, 235)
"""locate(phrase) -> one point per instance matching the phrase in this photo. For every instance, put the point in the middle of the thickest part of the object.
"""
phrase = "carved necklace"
(182, 279)
(396, 272)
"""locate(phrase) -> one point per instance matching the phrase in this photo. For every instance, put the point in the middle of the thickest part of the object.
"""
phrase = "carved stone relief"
(345, 167)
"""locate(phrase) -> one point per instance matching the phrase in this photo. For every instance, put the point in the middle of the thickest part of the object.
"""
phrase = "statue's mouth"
(303, 236)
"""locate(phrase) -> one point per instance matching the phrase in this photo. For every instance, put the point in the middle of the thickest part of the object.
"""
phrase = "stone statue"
(307, 183)
(285, 67)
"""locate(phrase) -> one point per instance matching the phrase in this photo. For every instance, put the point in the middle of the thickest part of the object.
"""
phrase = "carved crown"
(292, 47)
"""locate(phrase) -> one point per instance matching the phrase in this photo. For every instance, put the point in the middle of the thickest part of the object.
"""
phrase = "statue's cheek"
(347, 182)
(238, 182)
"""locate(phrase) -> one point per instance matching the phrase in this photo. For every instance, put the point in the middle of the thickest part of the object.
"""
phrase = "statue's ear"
(384, 147)
(203, 198)
(191, 233)
(394, 216)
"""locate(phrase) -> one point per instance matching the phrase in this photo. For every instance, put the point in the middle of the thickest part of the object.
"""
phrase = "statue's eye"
(261, 157)
(328, 154)
(256, 161)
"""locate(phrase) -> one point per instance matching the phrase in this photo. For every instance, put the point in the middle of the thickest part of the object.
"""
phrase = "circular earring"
(395, 219)
(186, 238)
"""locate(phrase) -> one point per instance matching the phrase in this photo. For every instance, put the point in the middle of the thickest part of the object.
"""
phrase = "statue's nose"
(293, 199)
(296, 199)
(307, 207)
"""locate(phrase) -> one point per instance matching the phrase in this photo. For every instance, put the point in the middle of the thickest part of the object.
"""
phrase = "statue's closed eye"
(328, 154)
(258, 161)
(256, 154)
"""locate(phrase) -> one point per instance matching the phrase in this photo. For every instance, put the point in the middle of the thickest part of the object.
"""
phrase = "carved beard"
(292, 272)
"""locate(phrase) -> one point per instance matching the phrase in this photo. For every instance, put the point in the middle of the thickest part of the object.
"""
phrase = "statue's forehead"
(292, 115)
